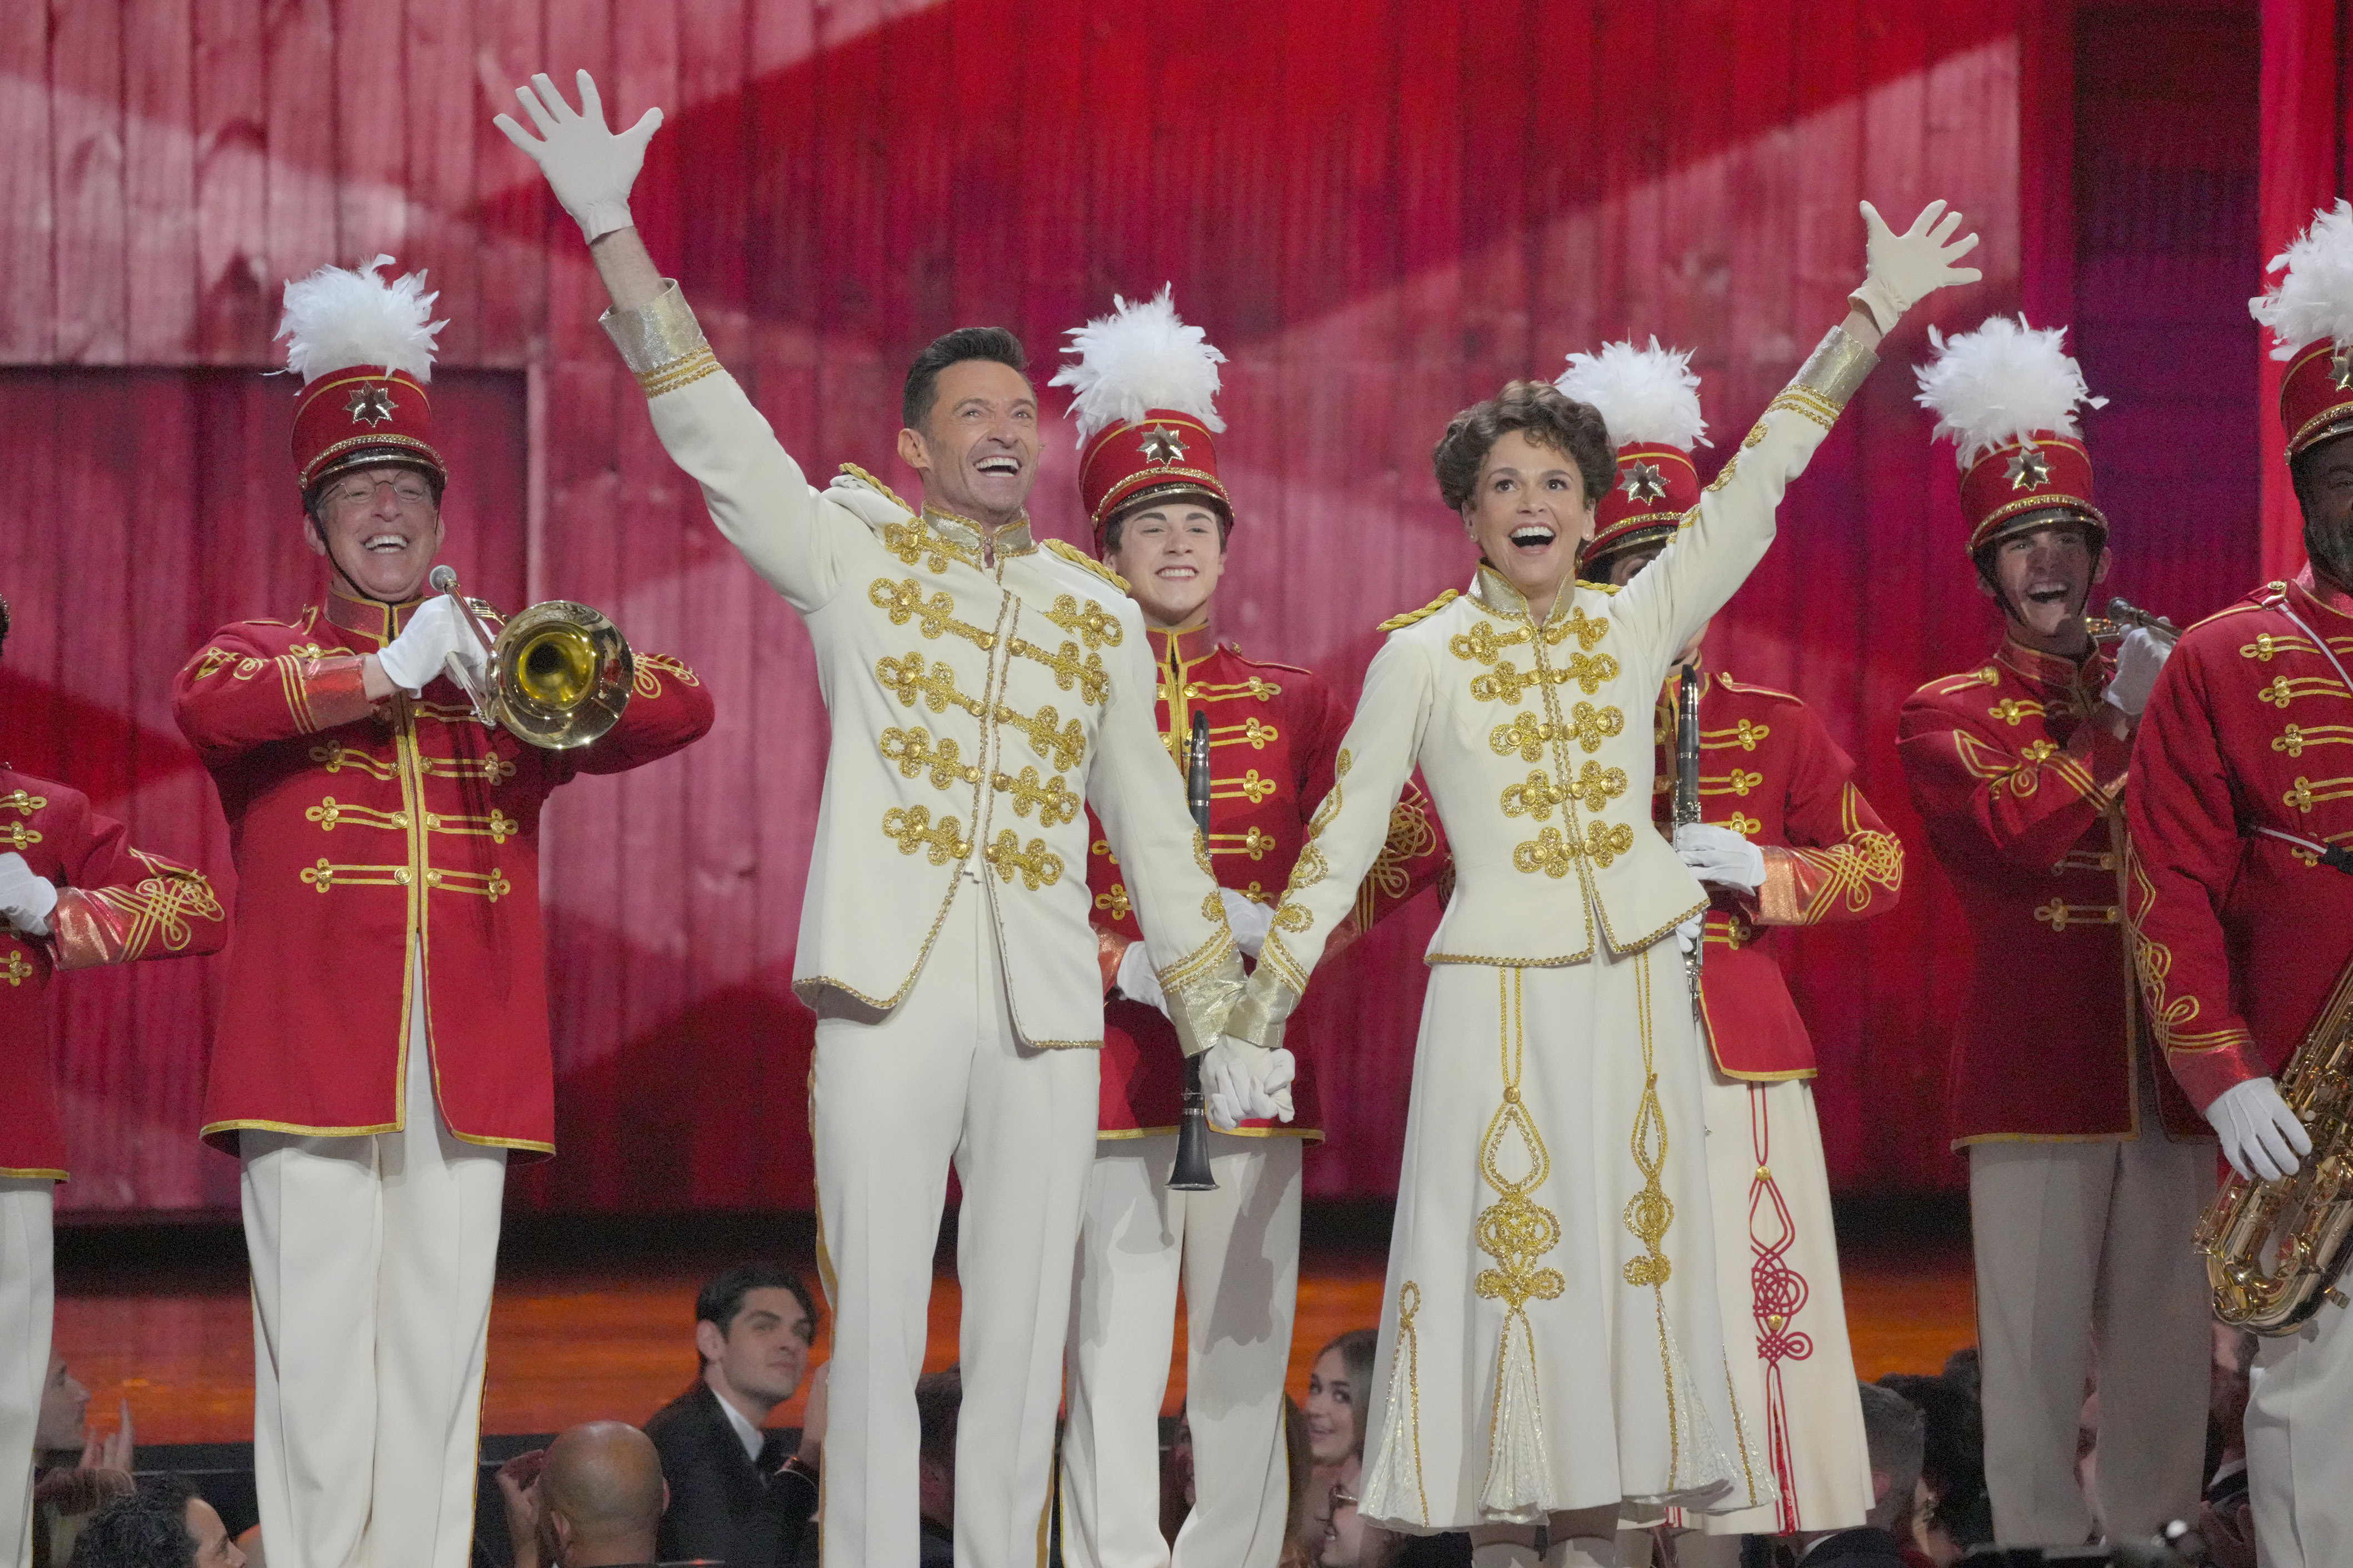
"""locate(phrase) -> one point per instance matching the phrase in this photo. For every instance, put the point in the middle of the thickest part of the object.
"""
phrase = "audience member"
(162, 1524)
(1951, 1512)
(740, 1495)
(76, 1471)
(592, 1499)
(1338, 1386)
(1298, 1464)
(1895, 1435)
(2225, 1518)
(939, 1395)
(250, 1544)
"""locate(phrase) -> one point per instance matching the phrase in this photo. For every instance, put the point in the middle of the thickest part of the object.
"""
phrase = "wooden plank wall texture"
(1380, 214)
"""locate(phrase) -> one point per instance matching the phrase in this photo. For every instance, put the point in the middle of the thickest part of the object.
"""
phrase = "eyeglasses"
(359, 492)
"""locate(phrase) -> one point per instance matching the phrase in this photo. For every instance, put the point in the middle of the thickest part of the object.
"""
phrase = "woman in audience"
(1337, 1387)
(1952, 1512)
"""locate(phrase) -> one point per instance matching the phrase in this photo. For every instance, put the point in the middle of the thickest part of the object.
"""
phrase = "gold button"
(432, 879)
(401, 876)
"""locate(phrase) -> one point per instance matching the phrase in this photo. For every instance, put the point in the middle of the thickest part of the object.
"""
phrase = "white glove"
(2260, 1136)
(1689, 934)
(1248, 919)
(435, 631)
(2140, 657)
(589, 168)
(1136, 980)
(1721, 854)
(26, 895)
(1243, 1082)
(1904, 268)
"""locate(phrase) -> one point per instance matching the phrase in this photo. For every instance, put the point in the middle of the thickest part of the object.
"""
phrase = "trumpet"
(559, 673)
(2123, 618)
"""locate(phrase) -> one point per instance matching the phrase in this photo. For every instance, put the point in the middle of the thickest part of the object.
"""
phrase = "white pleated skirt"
(1551, 1336)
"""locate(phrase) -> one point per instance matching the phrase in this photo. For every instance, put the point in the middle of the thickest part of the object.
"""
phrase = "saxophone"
(2274, 1249)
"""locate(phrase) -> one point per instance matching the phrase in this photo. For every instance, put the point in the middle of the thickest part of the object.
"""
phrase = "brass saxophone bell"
(560, 673)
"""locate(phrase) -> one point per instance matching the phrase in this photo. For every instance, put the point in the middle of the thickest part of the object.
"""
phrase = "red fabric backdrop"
(1381, 214)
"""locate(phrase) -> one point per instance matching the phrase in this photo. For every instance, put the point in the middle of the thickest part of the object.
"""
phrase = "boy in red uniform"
(383, 1042)
(2086, 1167)
(1784, 839)
(1148, 476)
(73, 894)
(2240, 810)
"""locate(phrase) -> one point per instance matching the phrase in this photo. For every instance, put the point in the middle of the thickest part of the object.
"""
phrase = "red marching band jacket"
(1274, 734)
(2241, 934)
(358, 830)
(2022, 795)
(116, 904)
(1770, 771)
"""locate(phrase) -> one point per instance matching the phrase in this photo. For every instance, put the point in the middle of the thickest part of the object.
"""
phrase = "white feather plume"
(1643, 394)
(2315, 300)
(1139, 357)
(338, 316)
(2006, 381)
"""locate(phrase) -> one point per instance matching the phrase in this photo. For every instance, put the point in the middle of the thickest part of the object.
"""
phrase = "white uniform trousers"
(1237, 1249)
(27, 1299)
(373, 1262)
(943, 1077)
(2299, 1415)
(2077, 1243)
(1785, 1331)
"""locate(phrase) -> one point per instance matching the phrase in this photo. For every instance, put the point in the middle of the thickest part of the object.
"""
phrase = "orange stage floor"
(586, 1326)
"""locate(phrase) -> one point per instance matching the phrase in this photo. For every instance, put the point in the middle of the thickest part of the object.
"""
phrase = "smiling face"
(2042, 575)
(1529, 516)
(1330, 1410)
(1173, 555)
(764, 1355)
(380, 529)
(977, 448)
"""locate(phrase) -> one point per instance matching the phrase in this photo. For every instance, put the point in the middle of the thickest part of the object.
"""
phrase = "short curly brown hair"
(1549, 416)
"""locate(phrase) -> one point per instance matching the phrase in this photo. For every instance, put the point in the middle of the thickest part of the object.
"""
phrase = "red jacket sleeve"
(2029, 803)
(670, 708)
(234, 694)
(119, 903)
(2182, 854)
(1842, 863)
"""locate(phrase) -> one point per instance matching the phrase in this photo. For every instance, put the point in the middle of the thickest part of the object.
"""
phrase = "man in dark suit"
(1895, 1435)
(738, 1494)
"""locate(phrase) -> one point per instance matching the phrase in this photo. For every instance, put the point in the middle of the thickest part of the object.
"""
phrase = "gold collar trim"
(1011, 540)
(1496, 594)
(369, 617)
(2053, 669)
(1187, 645)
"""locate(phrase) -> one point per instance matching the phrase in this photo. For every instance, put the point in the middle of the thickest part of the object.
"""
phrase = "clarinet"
(1190, 1174)
(1686, 799)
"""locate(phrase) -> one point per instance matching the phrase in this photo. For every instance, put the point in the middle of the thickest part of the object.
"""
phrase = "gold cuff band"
(677, 372)
(1259, 1017)
(1834, 370)
(1198, 1007)
(658, 334)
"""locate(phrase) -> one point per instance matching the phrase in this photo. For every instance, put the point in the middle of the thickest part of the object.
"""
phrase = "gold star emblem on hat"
(1161, 445)
(1643, 481)
(2029, 469)
(2340, 370)
(371, 403)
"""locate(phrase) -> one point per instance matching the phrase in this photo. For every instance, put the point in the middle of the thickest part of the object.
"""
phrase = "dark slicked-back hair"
(1547, 416)
(149, 1529)
(721, 1300)
(1895, 1435)
(953, 348)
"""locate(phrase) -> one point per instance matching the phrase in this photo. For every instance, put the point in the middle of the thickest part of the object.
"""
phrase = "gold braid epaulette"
(1081, 558)
(1396, 621)
(863, 478)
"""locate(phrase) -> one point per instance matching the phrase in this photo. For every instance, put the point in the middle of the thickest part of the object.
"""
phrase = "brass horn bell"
(560, 672)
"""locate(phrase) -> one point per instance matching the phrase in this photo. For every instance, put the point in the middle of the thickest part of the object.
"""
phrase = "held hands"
(435, 631)
(2140, 657)
(1721, 857)
(1904, 268)
(2260, 1136)
(589, 167)
(1248, 919)
(25, 897)
(1241, 1082)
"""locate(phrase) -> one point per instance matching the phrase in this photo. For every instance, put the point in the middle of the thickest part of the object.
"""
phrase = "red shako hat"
(364, 347)
(1145, 390)
(2006, 394)
(2310, 313)
(1649, 400)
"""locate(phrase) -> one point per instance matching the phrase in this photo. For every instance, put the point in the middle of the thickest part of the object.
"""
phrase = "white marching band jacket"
(1535, 740)
(979, 699)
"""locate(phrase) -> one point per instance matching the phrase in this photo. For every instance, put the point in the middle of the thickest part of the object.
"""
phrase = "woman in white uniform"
(1550, 1349)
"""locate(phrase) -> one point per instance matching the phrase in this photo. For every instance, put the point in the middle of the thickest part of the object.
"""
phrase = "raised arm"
(756, 493)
